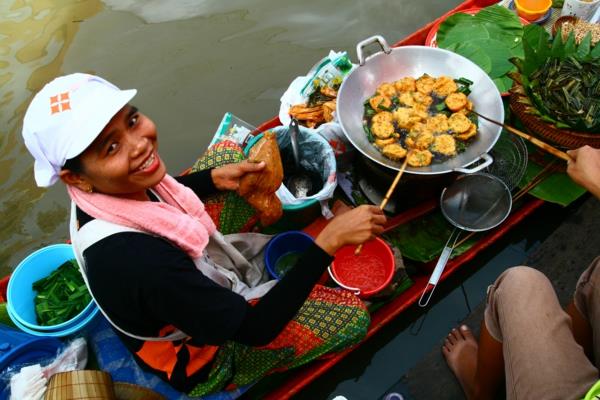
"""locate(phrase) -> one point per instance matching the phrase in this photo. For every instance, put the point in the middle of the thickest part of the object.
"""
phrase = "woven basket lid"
(95, 385)
(79, 385)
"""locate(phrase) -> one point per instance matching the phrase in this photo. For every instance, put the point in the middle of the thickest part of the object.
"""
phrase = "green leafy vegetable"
(561, 79)
(61, 295)
(489, 39)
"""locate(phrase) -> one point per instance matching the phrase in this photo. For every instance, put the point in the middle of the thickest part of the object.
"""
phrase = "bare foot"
(460, 352)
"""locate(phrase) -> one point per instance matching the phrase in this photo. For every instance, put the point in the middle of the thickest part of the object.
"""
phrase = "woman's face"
(123, 160)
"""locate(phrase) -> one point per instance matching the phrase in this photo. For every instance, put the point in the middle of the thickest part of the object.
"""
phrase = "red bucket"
(367, 273)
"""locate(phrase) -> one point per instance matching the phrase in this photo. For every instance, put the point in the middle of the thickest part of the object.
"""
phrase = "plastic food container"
(532, 10)
(283, 251)
(367, 273)
(20, 294)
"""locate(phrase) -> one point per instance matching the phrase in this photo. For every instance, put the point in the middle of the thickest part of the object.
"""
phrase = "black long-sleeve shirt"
(144, 283)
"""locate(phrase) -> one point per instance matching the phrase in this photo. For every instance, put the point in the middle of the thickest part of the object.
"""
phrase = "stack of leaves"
(61, 295)
(561, 80)
(489, 38)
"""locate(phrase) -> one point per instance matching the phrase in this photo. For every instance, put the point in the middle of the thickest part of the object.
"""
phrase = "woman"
(527, 339)
(192, 305)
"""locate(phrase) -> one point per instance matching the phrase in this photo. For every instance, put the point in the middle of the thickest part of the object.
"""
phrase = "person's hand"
(352, 227)
(228, 176)
(585, 168)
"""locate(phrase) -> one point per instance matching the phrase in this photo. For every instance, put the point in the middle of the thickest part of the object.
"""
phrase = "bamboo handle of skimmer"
(388, 195)
(542, 145)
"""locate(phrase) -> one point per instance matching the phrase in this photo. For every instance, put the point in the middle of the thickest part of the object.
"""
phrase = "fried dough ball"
(386, 90)
(419, 137)
(472, 131)
(459, 123)
(425, 84)
(406, 84)
(422, 98)
(419, 158)
(438, 123)
(379, 100)
(444, 86)
(406, 117)
(394, 151)
(444, 144)
(407, 99)
(420, 110)
(423, 141)
(384, 116)
(381, 143)
(382, 130)
(456, 101)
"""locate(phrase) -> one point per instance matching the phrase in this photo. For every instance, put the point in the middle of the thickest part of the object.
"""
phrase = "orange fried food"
(328, 109)
(310, 116)
(258, 188)
(328, 91)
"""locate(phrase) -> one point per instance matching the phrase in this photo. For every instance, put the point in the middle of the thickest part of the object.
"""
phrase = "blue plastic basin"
(282, 245)
(20, 294)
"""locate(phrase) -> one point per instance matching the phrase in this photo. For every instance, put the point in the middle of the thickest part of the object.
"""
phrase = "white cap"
(65, 117)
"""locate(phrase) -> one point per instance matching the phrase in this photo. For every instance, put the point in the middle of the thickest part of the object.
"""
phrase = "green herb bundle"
(61, 295)
(489, 38)
(561, 79)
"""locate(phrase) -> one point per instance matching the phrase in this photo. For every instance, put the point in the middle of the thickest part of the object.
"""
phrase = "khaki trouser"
(541, 358)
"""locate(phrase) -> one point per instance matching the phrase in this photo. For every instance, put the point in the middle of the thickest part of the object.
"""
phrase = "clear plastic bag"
(233, 129)
(316, 155)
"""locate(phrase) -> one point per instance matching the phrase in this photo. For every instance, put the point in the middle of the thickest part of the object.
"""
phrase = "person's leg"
(585, 311)
(541, 358)
(479, 367)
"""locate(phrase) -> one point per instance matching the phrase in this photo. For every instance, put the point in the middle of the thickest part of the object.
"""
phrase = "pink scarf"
(180, 218)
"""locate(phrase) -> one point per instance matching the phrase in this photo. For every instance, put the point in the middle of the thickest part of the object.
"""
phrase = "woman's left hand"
(228, 176)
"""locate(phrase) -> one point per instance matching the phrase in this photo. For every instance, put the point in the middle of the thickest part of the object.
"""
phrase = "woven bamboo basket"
(96, 385)
(562, 137)
(79, 385)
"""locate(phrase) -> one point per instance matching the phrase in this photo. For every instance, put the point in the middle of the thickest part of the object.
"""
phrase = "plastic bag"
(30, 382)
(315, 155)
(233, 129)
(336, 66)
(258, 188)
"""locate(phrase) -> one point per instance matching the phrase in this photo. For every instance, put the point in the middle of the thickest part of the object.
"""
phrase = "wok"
(392, 64)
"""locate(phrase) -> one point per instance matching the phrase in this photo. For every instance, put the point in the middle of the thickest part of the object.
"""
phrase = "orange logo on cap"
(59, 103)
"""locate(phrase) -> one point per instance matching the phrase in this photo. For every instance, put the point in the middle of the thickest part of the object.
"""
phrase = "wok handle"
(373, 39)
(487, 161)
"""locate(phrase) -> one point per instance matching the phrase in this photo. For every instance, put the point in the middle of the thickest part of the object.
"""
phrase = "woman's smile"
(123, 160)
(150, 165)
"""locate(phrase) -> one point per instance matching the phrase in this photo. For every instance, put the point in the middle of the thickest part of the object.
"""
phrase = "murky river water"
(191, 60)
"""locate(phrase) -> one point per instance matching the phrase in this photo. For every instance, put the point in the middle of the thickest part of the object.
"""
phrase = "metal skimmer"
(510, 160)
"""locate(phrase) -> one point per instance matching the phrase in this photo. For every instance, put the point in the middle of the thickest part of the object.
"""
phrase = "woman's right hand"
(356, 226)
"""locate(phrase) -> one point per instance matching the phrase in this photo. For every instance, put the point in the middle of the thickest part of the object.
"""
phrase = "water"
(285, 262)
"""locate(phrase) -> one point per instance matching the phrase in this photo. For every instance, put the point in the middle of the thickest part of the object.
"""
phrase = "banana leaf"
(489, 38)
(423, 239)
(557, 188)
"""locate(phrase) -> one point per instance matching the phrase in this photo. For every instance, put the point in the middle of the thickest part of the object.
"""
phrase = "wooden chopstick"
(542, 145)
(388, 194)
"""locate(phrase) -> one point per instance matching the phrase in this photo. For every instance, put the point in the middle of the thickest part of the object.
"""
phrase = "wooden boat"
(303, 376)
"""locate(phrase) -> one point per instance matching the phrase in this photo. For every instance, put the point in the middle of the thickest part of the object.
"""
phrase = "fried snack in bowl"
(258, 188)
